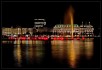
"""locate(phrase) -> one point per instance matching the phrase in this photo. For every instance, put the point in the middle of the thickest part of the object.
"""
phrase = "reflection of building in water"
(71, 50)
(82, 30)
(17, 42)
(32, 53)
(89, 48)
(17, 55)
(73, 53)
(39, 50)
(58, 50)
(29, 54)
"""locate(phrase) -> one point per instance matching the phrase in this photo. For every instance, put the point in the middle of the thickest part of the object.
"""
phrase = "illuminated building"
(22, 31)
(79, 30)
(39, 24)
(58, 29)
(15, 31)
(6, 31)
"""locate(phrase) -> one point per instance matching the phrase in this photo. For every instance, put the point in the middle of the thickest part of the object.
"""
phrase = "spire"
(89, 22)
(82, 22)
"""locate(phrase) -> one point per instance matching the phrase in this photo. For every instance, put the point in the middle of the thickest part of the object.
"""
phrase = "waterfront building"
(78, 30)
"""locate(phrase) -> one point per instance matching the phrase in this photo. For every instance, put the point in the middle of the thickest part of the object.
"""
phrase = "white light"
(14, 35)
(26, 35)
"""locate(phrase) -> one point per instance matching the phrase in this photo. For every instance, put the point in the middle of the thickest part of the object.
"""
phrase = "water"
(51, 54)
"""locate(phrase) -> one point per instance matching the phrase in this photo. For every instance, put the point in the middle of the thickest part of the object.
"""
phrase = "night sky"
(23, 13)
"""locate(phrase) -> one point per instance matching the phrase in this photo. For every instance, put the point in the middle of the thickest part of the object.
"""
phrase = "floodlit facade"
(78, 30)
(20, 31)
(16, 31)
(58, 29)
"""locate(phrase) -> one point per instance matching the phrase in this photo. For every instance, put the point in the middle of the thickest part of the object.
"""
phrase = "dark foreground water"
(51, 54)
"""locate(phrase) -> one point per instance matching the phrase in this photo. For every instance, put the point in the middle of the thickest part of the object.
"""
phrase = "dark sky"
(23, 13)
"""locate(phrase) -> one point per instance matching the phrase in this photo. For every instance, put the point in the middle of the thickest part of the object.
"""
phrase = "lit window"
(26, 35)
(61, 25)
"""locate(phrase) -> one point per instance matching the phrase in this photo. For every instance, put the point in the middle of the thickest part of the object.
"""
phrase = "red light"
(22, 38)
(66, 38)
(11, 38)
(42, 38)
(83, 38)
(51, 37)
(35, 38)
(17, 38)
(39, 38)
(78, 38)
(54, 38)
(72, 38)
(45, 38)
(28, 38)
(62, 38)
(58, 38)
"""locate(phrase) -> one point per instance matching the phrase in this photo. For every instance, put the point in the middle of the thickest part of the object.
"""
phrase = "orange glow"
(68, 18)
(78, 38)
(73, 52)
(89, 49)
(17, 54)
(58, 50)
(72, 55)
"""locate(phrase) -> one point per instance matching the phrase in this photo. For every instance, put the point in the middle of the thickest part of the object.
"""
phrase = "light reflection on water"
(72, 50)
(69, 50)
(17, 55)
(32, 53)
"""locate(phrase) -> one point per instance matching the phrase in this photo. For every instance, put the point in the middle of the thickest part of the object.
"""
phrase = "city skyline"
(51, 34)
(23, 14)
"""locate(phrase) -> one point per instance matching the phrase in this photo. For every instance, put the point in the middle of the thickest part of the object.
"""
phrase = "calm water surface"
(51, 54)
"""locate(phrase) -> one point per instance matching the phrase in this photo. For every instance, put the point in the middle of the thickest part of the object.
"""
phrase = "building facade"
(78, 30)
(16, 31)
(58, 29)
